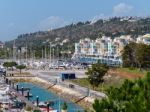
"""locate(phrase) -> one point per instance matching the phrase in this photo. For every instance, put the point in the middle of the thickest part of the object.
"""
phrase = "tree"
(136, 55)
(132, 96)
(104, 105)
(20, 67)
(128, 55)
(96, 73)
(13, 64)
(140, 54)
(9, 64)
(6, 64)
(3, 53)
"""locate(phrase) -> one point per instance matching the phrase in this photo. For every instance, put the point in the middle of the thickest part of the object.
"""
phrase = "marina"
(47, 96)
(17, 97)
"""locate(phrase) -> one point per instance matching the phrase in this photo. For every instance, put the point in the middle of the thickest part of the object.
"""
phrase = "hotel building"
(145, 39)
(1, 45)
(104, 49)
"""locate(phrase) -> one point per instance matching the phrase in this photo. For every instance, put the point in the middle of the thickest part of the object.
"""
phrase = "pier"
(24, 97)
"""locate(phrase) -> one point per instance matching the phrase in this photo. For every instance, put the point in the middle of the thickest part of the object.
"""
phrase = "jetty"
(21, 95)
(24, 99)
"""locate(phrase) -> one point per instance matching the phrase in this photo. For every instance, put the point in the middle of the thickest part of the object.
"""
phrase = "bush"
(64, 106)
(131, 68)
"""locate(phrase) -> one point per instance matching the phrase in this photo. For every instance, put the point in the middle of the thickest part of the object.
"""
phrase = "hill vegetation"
(136, 56)
(113, 27)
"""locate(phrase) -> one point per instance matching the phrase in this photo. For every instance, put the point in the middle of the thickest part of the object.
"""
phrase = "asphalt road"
(54, 74)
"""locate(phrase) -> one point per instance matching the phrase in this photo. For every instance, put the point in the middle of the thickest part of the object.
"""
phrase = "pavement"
(52, 75)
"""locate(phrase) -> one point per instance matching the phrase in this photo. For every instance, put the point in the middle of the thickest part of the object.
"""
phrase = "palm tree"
(20, 67)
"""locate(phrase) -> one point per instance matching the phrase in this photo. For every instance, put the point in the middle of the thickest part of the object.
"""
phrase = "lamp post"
(17, 87)
(28, 95)
(22, 91)
(37, 101)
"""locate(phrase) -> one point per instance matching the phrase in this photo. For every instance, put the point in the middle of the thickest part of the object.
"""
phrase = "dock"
(24, 99)
(24, 89)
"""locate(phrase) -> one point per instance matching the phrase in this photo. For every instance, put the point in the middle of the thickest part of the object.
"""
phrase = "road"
(52, 75)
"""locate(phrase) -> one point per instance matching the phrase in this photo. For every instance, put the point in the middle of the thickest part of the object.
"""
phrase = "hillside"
(111, 27)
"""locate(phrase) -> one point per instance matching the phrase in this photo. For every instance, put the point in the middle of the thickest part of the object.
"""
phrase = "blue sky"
(24, 16)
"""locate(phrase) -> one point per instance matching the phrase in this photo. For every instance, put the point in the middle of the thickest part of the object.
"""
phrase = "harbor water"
(47, 96)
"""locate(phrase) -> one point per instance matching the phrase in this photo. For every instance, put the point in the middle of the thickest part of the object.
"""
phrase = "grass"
(22, 73)
(134, 70)
(113, 81)
(17, 73)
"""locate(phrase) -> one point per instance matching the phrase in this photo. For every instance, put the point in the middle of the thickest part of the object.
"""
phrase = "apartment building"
(104, 46)
(145, 39)
(85, 47)
(1, 45)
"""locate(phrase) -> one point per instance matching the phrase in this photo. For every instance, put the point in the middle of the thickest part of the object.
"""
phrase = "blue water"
(45, 95)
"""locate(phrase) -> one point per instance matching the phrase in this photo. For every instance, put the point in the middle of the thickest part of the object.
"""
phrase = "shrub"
(64, 106)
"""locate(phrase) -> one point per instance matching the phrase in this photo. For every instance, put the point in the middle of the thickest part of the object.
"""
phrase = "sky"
(25, 16)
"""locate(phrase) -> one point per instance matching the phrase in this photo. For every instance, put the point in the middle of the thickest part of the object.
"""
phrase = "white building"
(145, 39)
(105, 49)
(104, 46)
(84, 47)
(1, 45)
